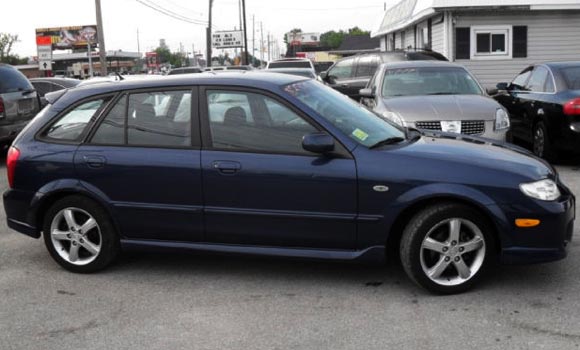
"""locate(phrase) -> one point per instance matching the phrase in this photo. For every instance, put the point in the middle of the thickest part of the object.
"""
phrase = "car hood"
(482, 156)
(443, 107)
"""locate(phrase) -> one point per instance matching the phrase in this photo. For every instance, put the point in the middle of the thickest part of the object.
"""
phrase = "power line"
(170, 13)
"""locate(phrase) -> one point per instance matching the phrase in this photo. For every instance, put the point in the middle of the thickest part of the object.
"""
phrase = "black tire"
(541, 142)
(433, 220)
(102, 235)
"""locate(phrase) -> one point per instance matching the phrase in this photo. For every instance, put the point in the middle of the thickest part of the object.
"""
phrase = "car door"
(512, 101)
(341, 76)
(537, 103)
(365, 69)
(144, 158)
(260, 186)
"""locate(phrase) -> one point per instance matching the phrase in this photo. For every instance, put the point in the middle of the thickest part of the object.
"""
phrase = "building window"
(423, 36)
(491, 42)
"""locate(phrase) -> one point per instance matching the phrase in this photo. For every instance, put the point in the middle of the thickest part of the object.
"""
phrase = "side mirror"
(43, 102)
(491, 91)
(318, 143)
(366, 93)
(502, 86)
(324, 75)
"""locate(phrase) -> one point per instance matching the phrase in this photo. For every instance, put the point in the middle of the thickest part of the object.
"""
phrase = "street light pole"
(101, 39)
(208, 36)
(245, 33)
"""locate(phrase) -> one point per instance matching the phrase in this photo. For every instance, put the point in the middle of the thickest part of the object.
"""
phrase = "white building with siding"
(494, 39)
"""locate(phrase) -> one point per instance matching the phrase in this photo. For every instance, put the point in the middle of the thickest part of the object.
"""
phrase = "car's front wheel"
(79, 235)
(446, 248)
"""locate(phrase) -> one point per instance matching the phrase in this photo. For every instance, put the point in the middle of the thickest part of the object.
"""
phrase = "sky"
(124, 18)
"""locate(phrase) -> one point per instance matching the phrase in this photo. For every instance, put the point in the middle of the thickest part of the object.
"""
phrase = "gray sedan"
(435, 95)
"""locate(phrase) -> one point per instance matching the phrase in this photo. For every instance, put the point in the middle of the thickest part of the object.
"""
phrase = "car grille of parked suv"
(468, 127)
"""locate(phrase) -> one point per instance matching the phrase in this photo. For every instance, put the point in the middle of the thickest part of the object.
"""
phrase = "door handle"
(343, 85)
(227, 167)
(95, 161)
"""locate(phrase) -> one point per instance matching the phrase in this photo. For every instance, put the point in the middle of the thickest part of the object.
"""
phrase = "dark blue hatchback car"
(275, 165)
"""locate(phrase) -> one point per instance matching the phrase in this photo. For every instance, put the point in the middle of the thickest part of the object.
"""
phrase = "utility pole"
(245, 59)
(101, 38)
(269, 56)
(261, 43)
(253, 39)
(208, 36)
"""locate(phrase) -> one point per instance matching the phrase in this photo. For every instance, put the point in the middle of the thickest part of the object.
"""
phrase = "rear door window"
(538, 79)
(148, 119)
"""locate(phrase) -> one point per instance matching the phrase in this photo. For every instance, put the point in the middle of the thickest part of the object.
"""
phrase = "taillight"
(11, 159)
(1, 107)
(572, 107)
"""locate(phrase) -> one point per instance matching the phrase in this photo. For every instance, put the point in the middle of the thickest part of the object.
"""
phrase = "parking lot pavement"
(186, 301)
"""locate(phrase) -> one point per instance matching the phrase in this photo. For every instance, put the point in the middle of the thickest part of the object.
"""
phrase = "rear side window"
(11, 80)
(148, 119)
(71, 126)
(367, 66)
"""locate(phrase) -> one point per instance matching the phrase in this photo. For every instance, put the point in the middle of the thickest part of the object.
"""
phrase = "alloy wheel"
(452, 252)
(76, 236)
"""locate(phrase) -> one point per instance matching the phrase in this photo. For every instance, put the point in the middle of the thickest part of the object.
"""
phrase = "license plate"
(25, 106)
(451, 126)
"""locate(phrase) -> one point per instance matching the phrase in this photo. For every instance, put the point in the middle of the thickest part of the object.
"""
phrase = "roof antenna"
(121, 78)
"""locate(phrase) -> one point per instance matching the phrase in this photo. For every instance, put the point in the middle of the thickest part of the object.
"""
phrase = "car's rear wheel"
(79, 235)
(447, 248)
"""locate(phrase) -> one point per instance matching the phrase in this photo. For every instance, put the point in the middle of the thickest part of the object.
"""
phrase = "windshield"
(360, 124)
(572, 77)
(429, 81)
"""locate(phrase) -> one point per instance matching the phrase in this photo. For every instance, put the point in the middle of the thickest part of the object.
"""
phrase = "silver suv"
(18, 102)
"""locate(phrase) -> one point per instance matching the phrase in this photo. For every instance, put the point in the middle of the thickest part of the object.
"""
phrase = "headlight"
(395, 118)
(502, 120)
(545, 190)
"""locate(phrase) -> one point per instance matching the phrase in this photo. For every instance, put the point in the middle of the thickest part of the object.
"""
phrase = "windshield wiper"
(444, 93)
(389, 141)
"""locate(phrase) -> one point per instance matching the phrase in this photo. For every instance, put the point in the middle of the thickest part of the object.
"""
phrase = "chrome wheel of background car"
(539, 141)
(452, 252)
(76, 236)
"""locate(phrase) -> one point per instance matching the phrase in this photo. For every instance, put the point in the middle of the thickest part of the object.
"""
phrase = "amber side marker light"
(527, 222)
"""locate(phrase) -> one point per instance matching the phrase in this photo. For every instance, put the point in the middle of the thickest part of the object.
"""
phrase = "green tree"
(6, 43)
(333, 39)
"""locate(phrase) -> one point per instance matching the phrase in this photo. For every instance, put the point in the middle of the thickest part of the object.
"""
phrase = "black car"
(544, 106)
(45, 85)
(353, 73)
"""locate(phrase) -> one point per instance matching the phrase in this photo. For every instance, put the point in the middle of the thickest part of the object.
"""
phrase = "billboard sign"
(227, 39)
(151, 59)
(62, 38)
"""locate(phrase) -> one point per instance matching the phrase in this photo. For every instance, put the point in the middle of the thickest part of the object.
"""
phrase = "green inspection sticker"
(359, 134)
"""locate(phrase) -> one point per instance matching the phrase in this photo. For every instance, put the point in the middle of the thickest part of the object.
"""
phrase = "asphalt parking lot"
(186, 301)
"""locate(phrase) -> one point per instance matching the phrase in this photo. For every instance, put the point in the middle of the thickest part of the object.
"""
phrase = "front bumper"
(543, 243)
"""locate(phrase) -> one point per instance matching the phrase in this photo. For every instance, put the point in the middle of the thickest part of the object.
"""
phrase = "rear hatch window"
(298, 64)
(11, 80)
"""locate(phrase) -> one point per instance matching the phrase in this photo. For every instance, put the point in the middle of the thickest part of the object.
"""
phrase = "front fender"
(445, 191)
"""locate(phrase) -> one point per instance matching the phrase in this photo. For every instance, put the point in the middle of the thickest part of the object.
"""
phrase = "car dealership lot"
(189, 301)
